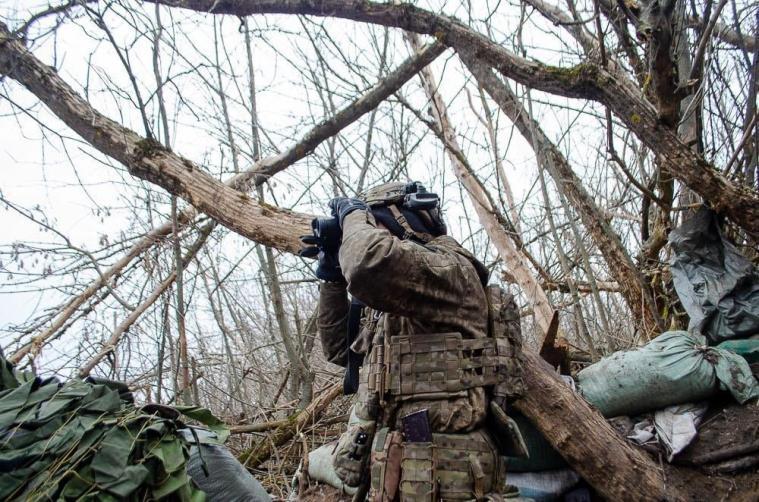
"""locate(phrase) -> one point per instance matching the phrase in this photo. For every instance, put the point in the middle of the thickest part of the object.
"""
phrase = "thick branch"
(149, 160)
(260, 453)
(727, 34)
(254, 176)
(585, 81)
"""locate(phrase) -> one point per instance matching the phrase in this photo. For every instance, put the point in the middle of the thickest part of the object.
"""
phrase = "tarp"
(717, 286)
(542, 456)
(676, 367)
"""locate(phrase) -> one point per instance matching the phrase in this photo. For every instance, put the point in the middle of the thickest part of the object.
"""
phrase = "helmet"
(408, 210)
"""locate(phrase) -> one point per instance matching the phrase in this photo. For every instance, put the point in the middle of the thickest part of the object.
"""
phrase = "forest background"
(565, 140)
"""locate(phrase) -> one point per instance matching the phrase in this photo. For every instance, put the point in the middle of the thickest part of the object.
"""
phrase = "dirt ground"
(727, 426)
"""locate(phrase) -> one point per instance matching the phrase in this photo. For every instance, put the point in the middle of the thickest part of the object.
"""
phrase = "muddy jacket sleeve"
(402, 277)
(333, 321)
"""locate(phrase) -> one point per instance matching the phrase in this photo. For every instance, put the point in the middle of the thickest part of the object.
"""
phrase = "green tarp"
(748, 349)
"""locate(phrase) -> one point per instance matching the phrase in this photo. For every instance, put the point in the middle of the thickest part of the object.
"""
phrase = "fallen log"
(261, 452)
(615, 469)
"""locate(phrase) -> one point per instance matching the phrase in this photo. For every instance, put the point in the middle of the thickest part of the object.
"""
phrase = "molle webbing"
(452, 467)
(434, 364)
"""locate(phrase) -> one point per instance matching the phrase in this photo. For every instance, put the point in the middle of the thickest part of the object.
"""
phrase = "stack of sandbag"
(676, 367)
(673, 376)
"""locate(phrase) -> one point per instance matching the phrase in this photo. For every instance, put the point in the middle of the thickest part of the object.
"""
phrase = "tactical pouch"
(505, 328)
(418, 472)
(353, 450)
(452, 467)
(439, 364)
(387, 451)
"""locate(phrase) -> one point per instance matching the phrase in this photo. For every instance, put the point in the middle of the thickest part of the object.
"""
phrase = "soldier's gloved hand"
(343, 206)
(326, 252)
(351, 459)
(328, 268)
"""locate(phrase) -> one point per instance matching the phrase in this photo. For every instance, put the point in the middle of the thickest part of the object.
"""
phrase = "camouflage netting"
(87, 440)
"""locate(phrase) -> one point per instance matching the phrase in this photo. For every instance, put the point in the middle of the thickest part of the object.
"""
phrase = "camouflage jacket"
(418, 289)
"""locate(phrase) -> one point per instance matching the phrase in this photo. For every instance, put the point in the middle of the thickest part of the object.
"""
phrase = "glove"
(328, 268)
(325, 251)
(343, 206)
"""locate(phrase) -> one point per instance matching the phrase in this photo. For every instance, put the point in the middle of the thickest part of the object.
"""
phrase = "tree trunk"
(616, 469)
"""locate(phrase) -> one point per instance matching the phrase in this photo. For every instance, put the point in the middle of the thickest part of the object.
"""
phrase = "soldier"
(434, 354)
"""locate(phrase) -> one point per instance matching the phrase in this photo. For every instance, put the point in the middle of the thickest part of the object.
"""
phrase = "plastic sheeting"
(677, 426)
(676, 367)
(717, 286)
(543, 486)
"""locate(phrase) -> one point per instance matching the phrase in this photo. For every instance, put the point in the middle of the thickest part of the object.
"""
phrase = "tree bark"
(584, 81)
(616, 469)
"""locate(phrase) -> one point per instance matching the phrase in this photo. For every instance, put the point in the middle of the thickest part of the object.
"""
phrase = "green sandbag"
(676, 367)
(543, 457)
(748, 349)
